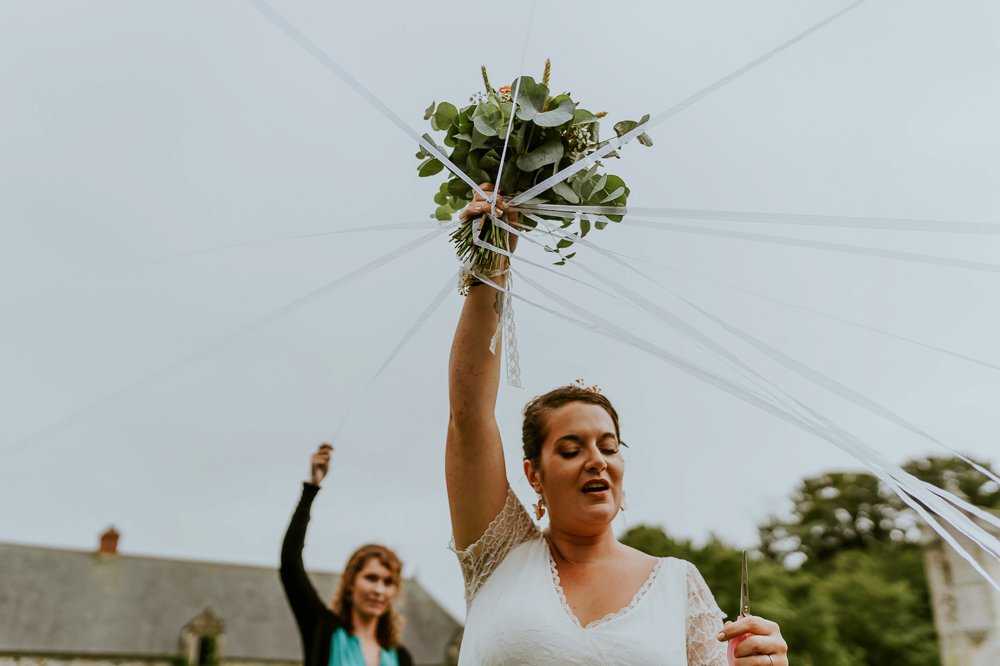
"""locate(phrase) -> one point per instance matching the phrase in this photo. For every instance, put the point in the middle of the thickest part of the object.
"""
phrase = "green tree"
(959, 478)
(785, 596)
(881, 606)
(832, 513)
(840, 511)
(843, 574)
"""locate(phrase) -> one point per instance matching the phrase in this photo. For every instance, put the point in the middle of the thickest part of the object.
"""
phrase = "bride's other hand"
(763, 647)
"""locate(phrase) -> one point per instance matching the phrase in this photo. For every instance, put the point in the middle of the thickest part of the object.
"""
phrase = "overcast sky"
(135, 134)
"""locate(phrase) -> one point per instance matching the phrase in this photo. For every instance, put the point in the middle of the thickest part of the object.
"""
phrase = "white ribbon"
(222, 342)
(422, 318)
(907, 492)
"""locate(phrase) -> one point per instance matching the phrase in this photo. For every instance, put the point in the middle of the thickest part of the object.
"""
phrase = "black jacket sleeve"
(302, 597)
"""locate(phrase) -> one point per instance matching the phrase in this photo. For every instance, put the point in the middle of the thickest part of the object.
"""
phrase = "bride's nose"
(595, 461)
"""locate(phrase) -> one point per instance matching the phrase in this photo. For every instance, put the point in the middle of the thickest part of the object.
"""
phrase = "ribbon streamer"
(616, 143)
(422, 318)
(906, 486)
(220, 343)
(837, 221)
(321, 56)
(898, 255)
(803, 370)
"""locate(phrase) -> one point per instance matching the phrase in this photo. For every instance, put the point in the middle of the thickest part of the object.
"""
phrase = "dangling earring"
(539, 507)
(624, 505)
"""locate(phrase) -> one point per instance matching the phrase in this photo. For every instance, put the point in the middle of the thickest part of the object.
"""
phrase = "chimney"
(109, 543)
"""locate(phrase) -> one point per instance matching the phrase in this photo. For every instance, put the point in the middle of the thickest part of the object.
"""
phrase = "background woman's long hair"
(389, 629)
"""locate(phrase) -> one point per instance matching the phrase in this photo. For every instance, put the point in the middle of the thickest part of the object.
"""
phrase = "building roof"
(77, 602)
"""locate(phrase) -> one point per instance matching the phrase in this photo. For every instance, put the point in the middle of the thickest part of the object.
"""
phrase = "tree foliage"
(843, 574)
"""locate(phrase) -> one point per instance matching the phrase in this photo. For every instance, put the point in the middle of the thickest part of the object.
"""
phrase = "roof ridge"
(181, 560)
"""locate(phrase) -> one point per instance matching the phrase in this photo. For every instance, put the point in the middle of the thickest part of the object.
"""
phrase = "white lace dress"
(518, 614)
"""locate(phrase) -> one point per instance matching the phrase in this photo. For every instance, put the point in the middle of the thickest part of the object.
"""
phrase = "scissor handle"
(733, 644)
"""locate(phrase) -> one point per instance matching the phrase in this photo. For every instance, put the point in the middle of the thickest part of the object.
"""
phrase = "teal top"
(347, 651)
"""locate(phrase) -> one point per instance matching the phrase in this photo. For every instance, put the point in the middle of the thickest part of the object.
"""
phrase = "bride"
(572, 594)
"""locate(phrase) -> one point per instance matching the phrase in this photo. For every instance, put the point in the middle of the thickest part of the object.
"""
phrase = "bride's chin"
(604, 513)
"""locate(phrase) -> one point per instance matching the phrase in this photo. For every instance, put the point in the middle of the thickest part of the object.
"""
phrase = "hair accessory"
(539, 507)
(580, 384)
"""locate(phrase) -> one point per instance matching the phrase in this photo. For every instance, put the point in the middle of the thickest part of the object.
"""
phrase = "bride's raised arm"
(474, 462)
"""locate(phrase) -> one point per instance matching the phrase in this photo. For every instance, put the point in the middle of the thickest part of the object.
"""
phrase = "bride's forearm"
(474, 371)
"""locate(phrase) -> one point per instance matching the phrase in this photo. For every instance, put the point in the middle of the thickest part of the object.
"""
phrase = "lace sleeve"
(512, 527)
(704, 622)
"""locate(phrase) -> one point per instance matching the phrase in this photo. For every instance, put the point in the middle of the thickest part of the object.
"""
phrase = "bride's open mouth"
(596, 488)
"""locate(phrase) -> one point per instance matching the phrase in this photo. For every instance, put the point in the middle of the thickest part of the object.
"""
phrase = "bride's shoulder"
(638, 557)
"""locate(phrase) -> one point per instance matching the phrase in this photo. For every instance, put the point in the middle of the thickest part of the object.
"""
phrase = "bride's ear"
(533, 476)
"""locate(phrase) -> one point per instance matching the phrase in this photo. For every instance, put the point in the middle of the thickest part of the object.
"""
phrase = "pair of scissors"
(744, 588)
(744, 607)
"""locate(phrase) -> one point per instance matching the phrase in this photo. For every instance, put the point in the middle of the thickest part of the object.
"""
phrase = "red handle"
(732, 647)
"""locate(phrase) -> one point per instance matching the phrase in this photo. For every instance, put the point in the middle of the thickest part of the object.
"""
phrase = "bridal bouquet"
(549, 133)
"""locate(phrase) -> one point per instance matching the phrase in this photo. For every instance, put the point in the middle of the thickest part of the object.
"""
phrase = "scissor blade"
(745, 587)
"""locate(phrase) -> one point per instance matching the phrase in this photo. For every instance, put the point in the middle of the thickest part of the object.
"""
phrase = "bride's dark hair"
(534, 430)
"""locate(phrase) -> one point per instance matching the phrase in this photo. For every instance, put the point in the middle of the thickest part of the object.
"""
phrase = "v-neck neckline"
(621, 612)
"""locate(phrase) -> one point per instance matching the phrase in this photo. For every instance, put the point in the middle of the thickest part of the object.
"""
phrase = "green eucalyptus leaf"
(566, 192)
(564, 243)
(584, 228)
(614, 195)
(459, 188)
(600, 225)
(549, 152)
(645, 140)
(429, 168)
(483, 126)
(531, 97)
(560, 115)
(445, 115)
(460, 153)
(489, 162)
(479, 140)
(487, 119)
(443, 213)
(429, 111)
(623, 127)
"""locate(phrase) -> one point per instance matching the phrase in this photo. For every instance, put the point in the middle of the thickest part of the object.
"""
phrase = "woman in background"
(360, 627)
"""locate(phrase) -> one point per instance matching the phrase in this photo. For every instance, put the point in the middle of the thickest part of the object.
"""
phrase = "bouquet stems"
(483, 260)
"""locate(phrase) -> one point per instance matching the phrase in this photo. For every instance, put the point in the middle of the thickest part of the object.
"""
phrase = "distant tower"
(966, 607)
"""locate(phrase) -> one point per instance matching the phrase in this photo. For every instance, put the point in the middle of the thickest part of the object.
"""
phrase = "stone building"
(966, 607)
(85, 608)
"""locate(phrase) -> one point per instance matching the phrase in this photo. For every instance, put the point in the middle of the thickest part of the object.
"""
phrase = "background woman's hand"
(763, 647)
(320, 463)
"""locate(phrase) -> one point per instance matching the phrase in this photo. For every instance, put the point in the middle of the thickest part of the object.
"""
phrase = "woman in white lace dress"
(572, 594)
